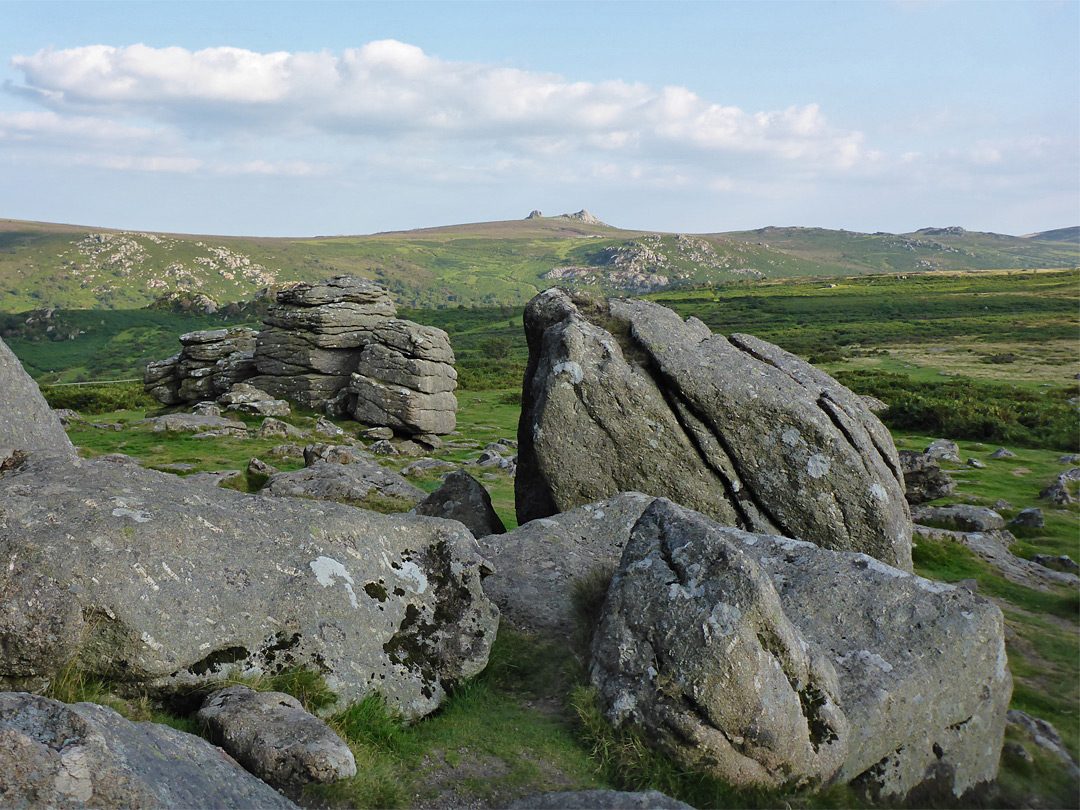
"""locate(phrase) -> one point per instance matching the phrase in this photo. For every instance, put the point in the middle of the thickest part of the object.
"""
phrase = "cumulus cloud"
(393, 89)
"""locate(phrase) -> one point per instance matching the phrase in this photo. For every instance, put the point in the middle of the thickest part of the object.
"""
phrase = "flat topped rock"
(339, 289)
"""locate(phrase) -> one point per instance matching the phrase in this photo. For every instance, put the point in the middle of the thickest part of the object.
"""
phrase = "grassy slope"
(490, 263)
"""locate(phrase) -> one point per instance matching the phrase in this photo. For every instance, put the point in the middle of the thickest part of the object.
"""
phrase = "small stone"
(1001, 452)
(383, 448)
(377, 434)
(1029, 518)
(974, 462)
(257, 467)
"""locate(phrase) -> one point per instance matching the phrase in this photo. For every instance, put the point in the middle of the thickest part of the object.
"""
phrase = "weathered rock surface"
(959, 517)
(208, 364)
(736, 428)
(920, 666)
(464, 499)
(273, 737)
(194, 423)
(88, 756)
(168, 585)
(695, 648)
(1044, 735)
(1061, 562)
(1058, 491)
(347, 483)
(924, 480)
(538, 564)
(600, 800)
(944, 450)
(1030, 518)
(27, 423)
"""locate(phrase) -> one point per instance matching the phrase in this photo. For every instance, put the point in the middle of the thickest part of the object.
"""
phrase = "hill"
(485, 264)
(1071, 235)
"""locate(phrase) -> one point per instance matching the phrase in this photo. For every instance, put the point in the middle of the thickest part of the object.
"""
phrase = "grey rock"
(286, 451)
(599, 799)
(187, 584)
(924, 479)
(874, 404)
(1016, 751)
(921, 666)
(695, 649)
(383, 448)
(959, 517)
(1042, 734)
(209, 362)
(337, 453)
(27, 423)
(415, 340)
(257, 467)
(1001, 452)
(402, 408)
(1072, 458)
(423, 466)
(1058, 491)
(943, 450)
(1001, 504)
(410, 449)
(377, 433)
(243, 394)
(346, 483)
(193, 423)
(88, 756)
(206, 408)
(736, 428)
(462, 498)
(324, 427)
(272, 428)
(340, 289)
(390, 366)
(311, 390)
(974, 462)
(264, 407)
(1032, 517)
(213, 478)
(273, 737)
(67, 416)
(429, 440)
(1062, 562)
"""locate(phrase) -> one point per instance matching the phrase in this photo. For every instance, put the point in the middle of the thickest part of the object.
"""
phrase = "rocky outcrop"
(924, 479)
(273, 737)
(625, 395)
(209, 363)
(144, 578)
(244, 398)
(538, 565)
(84, 755)
(313, 337)
(464, 499)
(961, 517)
(405, 380)
(764, 659)
(27, 423)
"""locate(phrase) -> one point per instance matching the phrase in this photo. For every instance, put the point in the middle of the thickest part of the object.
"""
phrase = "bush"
(93, 399)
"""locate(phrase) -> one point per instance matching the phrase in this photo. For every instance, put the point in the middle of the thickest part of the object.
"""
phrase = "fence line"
(92, 382)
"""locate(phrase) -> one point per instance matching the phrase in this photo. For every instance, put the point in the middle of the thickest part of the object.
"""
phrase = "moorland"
(986, 356)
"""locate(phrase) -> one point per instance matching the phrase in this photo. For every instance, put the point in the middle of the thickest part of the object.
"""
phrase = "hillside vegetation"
(482, 264)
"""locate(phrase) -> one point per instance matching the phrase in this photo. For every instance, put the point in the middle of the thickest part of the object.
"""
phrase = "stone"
(921, 669)
(625, 395)
(1032, 517)
(273, 737)
(924, 479)
(1072, 458)
(1058, 491)
(959, 517)
(152, 581)
(337, 453)
(324, 427)
(429, 440)
(286, 451)
(383, 448)
(346, 483)
(1001, 504)
(695, 649)
(874, 404)
(1001, 452)
(208, 364)
(27, 423)
(538, 565)
(424, 466)
(943, 450)
(243, 394)
(264, 407)
(193, 423)
(272, 428)
(598, 799)
(377, 433)
(464, 499)
(67, 416)
(1042, 734)
(974, 462)
(339, 290)
(410, 449)
(258, 467)
(1062, 562)
(88, 756)
(206, 408)
(402, 408)
(213, 478)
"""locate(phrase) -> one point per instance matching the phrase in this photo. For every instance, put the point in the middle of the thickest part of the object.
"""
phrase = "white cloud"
(392, 89)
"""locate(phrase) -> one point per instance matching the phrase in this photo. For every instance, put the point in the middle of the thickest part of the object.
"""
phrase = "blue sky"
(304, 118)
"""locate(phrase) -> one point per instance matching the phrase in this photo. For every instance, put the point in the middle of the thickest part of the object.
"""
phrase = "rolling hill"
(481, 264)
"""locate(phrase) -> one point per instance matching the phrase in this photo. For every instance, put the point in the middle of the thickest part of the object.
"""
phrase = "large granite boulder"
(625, 395)
(208, 364)
(142, 577)
(701, 620)
(538, 565)
(464, 499)
(88, 756)
(27, 423)
(271, 735)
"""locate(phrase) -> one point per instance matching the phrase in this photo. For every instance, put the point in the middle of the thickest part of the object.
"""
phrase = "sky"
(315, 118)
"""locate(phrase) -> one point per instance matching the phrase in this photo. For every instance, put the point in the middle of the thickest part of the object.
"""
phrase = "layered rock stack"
(314, 335)
(335, 346)
(207, 366)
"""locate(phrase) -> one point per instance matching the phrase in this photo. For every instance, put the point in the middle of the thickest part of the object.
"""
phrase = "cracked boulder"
(151, 580)
(27, 423)
(625, 395)
(744, 654)
(85, 755)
